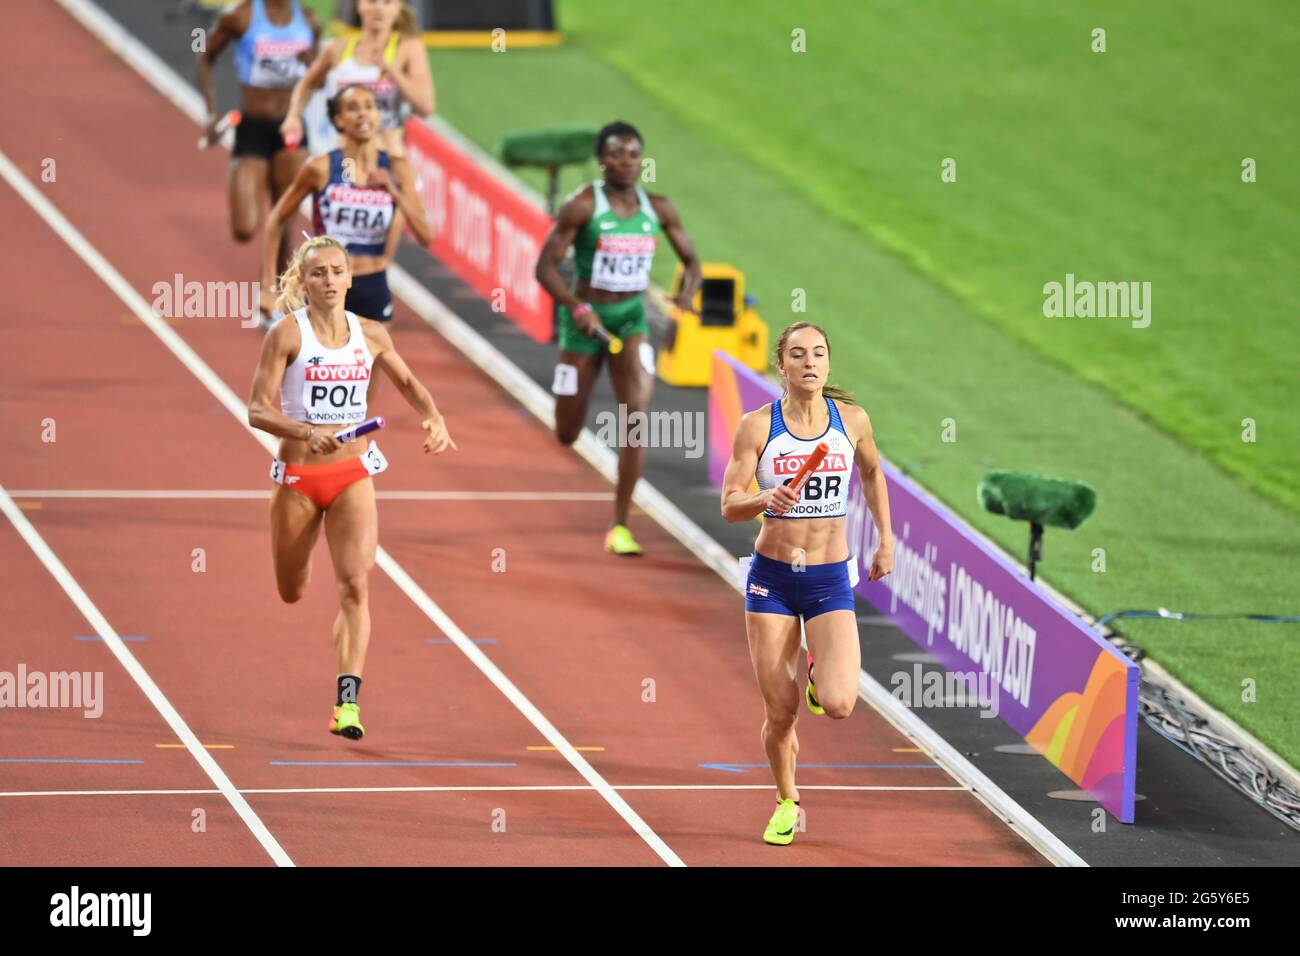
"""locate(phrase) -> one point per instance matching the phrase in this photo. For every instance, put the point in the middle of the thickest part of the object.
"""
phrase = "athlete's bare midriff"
(294, 451)
(818, 540)
(366, 265)
(260, 102)
(587, 293)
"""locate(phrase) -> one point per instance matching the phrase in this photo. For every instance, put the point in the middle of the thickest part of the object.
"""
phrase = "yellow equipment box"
(724, 318)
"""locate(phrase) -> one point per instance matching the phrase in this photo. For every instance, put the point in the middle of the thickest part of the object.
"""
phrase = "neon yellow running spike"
(620, 541)
(809, 694)
(780, 829)
(346, 722)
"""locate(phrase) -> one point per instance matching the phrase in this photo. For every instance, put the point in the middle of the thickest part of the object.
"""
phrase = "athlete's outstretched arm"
(313, 21)
(411, 75)
(671, 222)
(873, 489)
(311, 81)
(394, 237)
(401, 186)
(738, 504)
(386, 358)
(231, 25)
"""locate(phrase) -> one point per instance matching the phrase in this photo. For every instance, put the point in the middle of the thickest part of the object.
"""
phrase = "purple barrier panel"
(1027, 659)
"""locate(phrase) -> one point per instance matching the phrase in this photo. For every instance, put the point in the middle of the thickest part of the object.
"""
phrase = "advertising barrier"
(488, 234)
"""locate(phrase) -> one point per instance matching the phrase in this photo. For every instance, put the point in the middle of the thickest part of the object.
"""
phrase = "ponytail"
(405, 23)
(830, 391)
(839, 394)
(293, 295)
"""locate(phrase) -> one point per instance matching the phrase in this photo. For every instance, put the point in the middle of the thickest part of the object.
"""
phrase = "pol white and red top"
(326, 386)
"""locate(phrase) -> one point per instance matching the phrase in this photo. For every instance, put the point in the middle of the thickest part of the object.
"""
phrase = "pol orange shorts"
(323, 483)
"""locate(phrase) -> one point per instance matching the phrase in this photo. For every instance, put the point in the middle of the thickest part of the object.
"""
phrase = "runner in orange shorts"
(311, 382)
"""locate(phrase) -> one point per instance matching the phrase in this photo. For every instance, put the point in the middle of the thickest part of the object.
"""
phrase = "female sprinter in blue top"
(801, 567)
(357, 192)
(311, 381)
(274, 41)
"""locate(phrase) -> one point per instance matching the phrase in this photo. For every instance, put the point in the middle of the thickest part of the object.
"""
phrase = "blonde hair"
(293, 295)
(405, 22)
(830, 391)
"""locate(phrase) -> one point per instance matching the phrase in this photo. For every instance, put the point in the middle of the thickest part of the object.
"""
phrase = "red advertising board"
(485, 231)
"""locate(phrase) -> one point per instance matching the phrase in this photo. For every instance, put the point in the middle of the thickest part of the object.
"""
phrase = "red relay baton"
(810, 465)
(232, 119)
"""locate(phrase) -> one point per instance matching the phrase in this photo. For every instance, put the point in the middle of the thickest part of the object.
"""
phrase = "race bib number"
(648, 358)
(277, 471)
(622, 262)
(276, 65)
(374, 460)
(335, 393)
(356, 215)
(566, 380)
(822, 497)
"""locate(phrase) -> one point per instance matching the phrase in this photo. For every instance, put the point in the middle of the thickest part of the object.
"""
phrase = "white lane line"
(238, 494)
(210, 380)
(308, 790)
(140, 676)
(107, 793)
(525, 707)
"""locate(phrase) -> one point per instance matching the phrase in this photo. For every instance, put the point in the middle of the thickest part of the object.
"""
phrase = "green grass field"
(820, 170)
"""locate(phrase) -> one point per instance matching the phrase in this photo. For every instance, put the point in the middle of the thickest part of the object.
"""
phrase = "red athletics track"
(576, 631)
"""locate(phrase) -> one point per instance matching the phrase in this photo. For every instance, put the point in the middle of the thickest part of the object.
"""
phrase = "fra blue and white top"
(357, 216)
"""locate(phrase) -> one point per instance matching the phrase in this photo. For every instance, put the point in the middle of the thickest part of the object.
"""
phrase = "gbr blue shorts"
(774, 587)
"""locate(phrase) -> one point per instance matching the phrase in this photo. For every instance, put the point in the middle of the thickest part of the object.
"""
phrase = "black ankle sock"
(349, 688)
